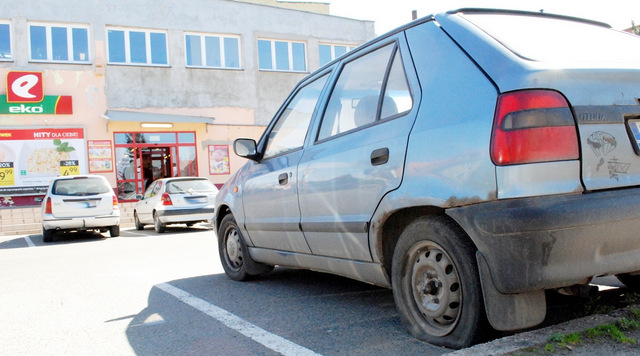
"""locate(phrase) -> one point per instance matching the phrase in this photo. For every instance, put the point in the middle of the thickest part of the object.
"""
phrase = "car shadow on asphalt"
(58, 238)
(328, 314)
(170, 229)
(93, 236)
(325, 313)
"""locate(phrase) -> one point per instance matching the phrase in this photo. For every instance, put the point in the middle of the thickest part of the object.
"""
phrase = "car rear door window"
(355, 101)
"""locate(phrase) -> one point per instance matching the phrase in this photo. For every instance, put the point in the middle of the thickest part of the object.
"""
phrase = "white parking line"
(29, 242)
(269, 340)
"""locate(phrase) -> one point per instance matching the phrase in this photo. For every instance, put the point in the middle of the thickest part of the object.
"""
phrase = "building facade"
(138, 90)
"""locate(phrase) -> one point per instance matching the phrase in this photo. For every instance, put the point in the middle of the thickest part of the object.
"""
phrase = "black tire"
(158, 225)
(632, 281)
(114, 231)
(234, 254)
(436, 286)
(136, 221)
(47, 235)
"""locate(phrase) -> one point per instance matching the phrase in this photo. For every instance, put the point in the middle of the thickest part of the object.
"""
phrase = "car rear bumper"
(549, 242)
(82, 223)
(185, 215)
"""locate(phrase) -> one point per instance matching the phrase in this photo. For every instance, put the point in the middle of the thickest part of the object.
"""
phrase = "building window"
(329, 52)
(282, 56)
(138, 47)
(212, 51)
(59, 43)
(5, 42)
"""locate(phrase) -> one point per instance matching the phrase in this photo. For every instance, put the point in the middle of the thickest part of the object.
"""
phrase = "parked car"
(178, 200)
(469, 160)
(79, 203)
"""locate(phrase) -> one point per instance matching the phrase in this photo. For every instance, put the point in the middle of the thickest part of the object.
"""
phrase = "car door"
(358, 153)
(144, 208)
(270, 192)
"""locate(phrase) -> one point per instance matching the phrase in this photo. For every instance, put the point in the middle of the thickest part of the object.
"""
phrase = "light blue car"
(469, 160)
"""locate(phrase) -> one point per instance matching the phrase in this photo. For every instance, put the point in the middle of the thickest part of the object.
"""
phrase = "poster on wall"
(219, 159)
(29, 159)
(100, 156)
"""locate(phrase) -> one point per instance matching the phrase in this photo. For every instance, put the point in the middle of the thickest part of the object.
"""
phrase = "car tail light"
(533, 126)
(166, 199)
(115, 203)
(47, 207)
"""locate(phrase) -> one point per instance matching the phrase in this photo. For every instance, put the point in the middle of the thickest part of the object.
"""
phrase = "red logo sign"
(24, 87)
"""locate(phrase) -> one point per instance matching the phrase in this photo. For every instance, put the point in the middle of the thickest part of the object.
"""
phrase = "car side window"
(291, 128)
(153, 190)
(355, 100)
(397, 95)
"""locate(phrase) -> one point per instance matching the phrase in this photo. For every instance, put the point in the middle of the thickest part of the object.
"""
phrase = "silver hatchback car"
(77, 203)
(177, 200)
(470, 160)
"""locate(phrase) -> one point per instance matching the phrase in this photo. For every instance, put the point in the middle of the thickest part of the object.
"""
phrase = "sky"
(391, 14)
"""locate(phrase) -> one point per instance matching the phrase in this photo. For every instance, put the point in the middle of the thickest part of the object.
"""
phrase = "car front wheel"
(234, 254)
(436, 285)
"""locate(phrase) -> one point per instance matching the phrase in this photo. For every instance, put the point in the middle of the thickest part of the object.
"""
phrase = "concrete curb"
(523, 340)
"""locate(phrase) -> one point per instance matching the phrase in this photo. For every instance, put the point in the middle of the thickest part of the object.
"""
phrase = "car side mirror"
(139, 196)
(246, 147)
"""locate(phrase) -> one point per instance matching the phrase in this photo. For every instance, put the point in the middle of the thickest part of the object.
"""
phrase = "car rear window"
(80, 187)
(552, 39)
(190, 186)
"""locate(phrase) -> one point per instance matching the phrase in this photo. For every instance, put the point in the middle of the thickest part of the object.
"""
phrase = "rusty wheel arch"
(393, 225)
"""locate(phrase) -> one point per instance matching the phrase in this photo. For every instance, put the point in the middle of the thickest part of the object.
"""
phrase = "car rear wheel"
(136, 221)
(157, 224)
(114, 231)
(234, 254)
(436, 285)
(47, 235)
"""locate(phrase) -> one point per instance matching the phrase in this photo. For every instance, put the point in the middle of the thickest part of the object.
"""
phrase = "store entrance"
(156, 163)
(142, 157)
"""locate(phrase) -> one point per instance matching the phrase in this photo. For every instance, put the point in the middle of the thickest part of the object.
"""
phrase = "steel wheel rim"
(436, 287)
(233, 249)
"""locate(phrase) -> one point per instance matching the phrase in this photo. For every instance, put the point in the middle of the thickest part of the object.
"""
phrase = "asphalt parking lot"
(148, 294)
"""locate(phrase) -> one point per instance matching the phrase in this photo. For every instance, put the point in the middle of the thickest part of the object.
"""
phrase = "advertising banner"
(29, 159)
(100, 156)
(219, 159)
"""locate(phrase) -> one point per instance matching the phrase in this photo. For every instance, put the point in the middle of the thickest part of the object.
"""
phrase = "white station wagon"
(79, 203)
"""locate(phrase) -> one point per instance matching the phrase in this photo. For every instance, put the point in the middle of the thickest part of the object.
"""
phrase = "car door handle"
(283, 179)
(380, 156)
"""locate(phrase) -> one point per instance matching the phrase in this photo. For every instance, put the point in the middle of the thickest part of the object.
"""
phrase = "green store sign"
(50, 105)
